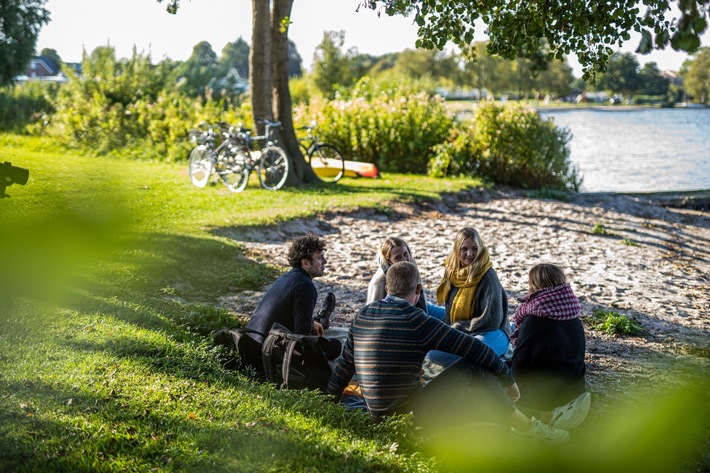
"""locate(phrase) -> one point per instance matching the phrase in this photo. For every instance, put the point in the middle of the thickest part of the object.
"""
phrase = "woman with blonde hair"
(394, 250)
(473, 297)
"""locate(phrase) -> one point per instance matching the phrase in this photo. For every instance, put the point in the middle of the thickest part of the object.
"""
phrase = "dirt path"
(652, 264)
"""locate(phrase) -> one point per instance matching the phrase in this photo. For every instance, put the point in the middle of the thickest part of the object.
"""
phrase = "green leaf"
(662, 38)
(646, 44)
(699, 24)
(685, 41)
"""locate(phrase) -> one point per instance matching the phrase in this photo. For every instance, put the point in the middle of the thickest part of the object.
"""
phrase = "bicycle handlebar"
(312, 125)
(269, 123)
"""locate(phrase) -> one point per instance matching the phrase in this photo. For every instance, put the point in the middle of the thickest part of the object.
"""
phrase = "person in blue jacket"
(291, 299)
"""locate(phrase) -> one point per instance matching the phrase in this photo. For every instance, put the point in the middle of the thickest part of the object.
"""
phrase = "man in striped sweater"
(386, 346)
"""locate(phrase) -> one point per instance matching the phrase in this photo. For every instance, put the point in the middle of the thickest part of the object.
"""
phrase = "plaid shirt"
(557, 303)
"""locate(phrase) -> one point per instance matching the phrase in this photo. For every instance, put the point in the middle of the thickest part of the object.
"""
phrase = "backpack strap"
(269, 359)
(293, 355)
(294, 361)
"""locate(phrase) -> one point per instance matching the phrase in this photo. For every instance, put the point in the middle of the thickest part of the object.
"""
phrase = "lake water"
(647, 150)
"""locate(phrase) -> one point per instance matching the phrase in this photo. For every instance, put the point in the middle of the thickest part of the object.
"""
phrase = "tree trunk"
(301, 172)
(260, 63)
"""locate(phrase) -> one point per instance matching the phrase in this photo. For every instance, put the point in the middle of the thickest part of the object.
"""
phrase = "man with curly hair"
(292, 297)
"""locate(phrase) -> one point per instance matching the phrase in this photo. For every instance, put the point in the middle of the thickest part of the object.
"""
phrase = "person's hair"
(303, 248)
(402, 279)
(453, 261)
(545, 275)
(392, 242)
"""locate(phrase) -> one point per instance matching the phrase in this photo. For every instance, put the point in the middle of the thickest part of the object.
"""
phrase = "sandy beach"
(651, 263)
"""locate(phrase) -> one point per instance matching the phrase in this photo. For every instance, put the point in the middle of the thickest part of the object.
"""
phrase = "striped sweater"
(386, 346)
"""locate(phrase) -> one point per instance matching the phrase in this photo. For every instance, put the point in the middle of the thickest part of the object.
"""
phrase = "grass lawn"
(109, 271)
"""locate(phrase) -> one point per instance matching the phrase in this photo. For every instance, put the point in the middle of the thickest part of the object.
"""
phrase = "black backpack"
(248, 349)
(295, 361)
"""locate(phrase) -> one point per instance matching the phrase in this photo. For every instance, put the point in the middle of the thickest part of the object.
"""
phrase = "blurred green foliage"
(26, 103)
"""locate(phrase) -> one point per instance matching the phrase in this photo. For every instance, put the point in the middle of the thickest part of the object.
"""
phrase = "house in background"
(41, 68)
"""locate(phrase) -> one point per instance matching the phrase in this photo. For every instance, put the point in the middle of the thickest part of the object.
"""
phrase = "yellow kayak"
(352, 168)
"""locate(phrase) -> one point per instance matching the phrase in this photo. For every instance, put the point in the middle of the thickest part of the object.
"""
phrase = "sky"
(86, 24)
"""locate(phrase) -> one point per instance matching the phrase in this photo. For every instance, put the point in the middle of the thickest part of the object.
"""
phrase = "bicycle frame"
(233, 160)
(311, 139)
(266, 137)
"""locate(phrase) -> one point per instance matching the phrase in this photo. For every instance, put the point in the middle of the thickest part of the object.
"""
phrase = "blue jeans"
(497, 340)
(435, 311)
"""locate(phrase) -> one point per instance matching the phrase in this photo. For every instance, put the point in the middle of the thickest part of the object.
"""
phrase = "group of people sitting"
(527, 374)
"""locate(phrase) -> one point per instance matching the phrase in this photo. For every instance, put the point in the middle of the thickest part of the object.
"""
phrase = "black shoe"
(223, 337)
(326, 309)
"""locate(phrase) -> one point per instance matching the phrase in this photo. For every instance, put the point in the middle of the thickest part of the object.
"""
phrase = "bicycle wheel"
(327, 162)
(273, 168)
(235, 172)
(201, 166)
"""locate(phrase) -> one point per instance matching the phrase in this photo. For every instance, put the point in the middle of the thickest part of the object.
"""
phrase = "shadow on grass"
(416, 199)
(110, 432)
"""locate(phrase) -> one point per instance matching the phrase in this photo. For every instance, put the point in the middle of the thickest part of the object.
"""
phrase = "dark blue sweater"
(289, 301)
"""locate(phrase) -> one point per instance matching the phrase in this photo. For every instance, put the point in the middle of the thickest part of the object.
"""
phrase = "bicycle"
(271, 162)
(233, 160)
(203, 158)
(326, 160)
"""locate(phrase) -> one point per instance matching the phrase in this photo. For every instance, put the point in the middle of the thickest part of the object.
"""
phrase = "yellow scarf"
(464, 300)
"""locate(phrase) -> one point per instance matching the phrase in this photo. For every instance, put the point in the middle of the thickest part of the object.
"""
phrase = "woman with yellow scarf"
(473, 296)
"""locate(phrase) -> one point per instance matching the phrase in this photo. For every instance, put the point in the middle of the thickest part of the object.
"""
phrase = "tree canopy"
(53, 56)
(20, 23)
(696, 75)
(332, 67)
(622, 74)
(587, 28)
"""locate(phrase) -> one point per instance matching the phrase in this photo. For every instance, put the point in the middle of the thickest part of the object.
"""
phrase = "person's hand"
(317, 329)
(513, 392)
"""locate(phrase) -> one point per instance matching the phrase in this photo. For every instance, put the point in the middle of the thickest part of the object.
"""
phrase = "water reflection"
(648, 150)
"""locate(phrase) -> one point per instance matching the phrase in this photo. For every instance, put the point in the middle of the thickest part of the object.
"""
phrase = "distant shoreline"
(655, 194)
(694, 200)
(610, 108)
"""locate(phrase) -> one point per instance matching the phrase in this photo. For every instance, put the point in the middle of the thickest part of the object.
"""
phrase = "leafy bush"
(394, 128)
(130, 108)
(453, 157)
(23, 104)
(614, 323)
(510, 146)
